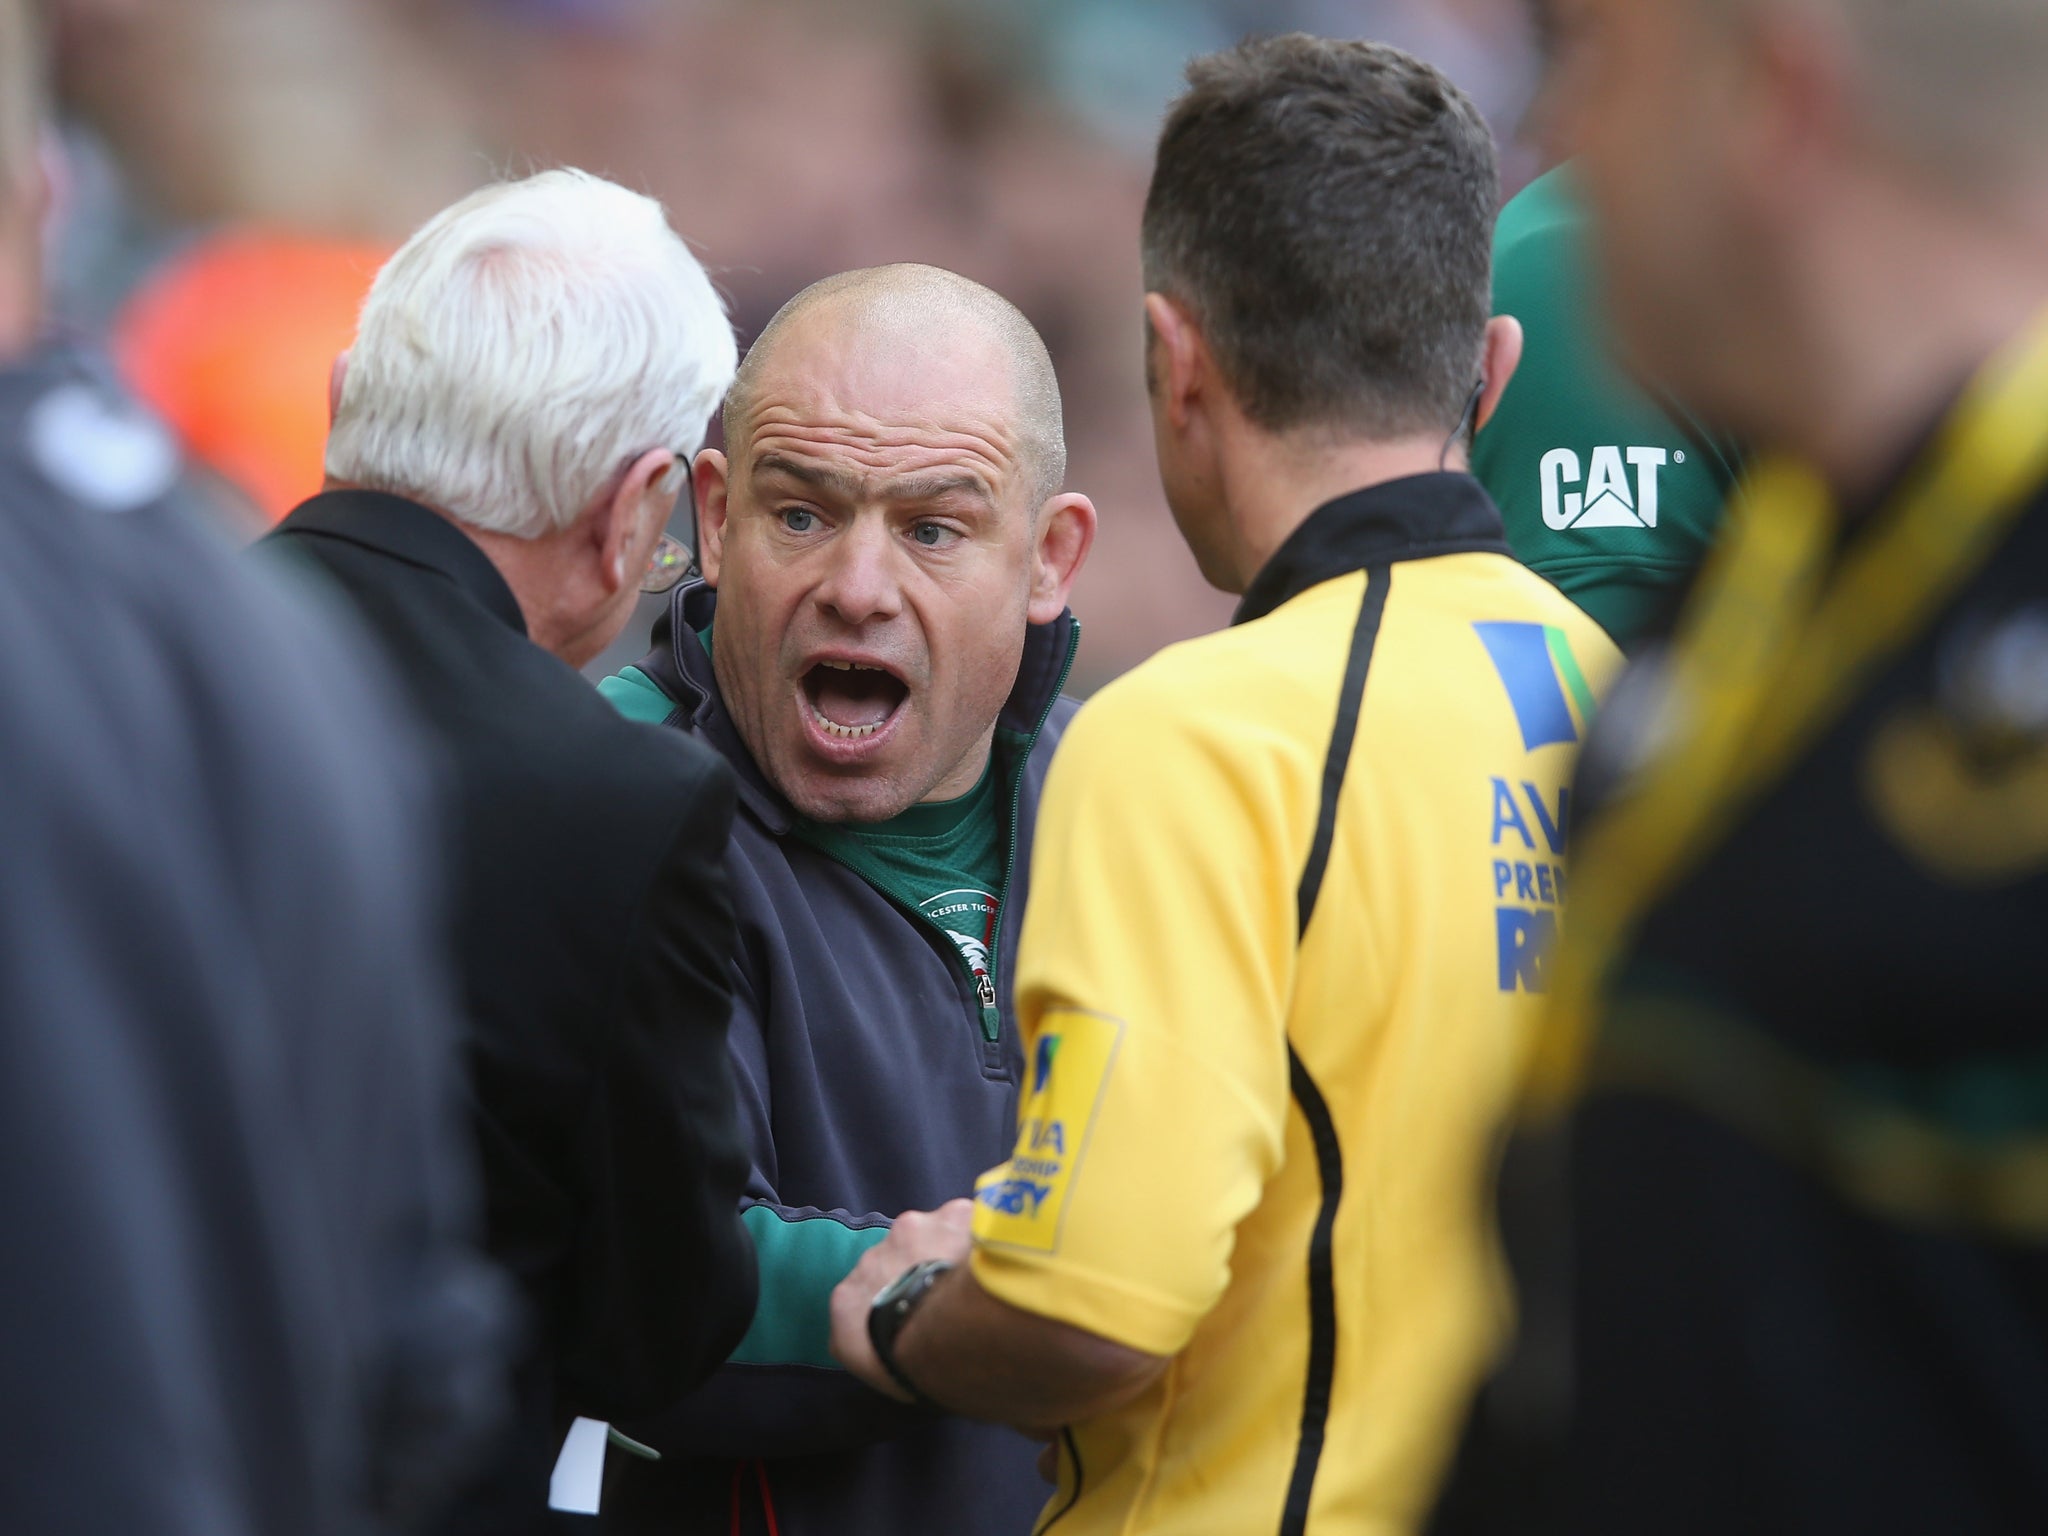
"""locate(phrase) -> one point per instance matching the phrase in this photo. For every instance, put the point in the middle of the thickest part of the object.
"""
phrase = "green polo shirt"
(1608, 492)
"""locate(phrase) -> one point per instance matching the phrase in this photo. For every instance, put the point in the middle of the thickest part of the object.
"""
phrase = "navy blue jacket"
(868, 1085)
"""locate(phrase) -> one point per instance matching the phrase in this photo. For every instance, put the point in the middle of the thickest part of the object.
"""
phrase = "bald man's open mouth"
(852, 703)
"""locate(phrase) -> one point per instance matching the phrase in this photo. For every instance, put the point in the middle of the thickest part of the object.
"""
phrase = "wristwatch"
(891, 1309)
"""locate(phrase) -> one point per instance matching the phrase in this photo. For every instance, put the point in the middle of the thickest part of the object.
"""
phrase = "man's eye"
(799, 519)
(933, 535)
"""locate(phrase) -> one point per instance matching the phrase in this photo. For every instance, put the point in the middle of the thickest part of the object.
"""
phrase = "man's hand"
(947, 1233)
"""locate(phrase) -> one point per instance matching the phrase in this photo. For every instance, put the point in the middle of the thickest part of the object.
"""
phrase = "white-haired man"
(511, 430)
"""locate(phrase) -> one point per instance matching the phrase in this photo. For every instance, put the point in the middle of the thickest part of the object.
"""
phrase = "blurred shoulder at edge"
(229, 1127)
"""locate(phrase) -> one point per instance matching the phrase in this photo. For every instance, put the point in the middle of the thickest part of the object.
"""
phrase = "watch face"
(891, 1311)
(906, 1285)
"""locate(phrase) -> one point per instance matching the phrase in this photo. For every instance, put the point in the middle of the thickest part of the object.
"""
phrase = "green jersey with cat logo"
(1608, 492)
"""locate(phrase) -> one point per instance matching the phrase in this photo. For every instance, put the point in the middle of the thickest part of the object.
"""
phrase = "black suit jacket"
(594, 936)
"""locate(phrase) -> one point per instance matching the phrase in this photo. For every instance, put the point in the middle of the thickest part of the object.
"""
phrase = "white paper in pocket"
(578, 1480)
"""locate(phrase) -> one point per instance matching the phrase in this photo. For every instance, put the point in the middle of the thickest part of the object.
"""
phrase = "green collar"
(930, 821)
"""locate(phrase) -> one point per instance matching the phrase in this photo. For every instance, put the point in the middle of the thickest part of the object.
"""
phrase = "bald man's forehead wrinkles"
(918, 314)
(859, 413)
(878, 444)
(860, 458)
(853, 486)
(940, 485)
(822, 477)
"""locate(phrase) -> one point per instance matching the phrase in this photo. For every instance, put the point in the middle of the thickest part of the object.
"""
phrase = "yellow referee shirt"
(1291, 901)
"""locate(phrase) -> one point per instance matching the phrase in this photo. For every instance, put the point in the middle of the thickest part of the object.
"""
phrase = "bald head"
(919, 310)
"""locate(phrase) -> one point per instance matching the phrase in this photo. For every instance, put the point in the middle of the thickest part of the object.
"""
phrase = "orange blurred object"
(232, 340)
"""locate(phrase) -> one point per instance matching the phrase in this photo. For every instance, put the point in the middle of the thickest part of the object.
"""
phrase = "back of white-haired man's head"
(523, 348)
(539, 363)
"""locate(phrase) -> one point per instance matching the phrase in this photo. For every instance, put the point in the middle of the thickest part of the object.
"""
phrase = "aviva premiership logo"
(1529, 812)
(1023, 1202)
(1603, 494)
(1550, 695)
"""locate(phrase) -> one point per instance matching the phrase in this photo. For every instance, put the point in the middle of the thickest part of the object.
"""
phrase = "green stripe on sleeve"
(801, 1262)
(635, 695)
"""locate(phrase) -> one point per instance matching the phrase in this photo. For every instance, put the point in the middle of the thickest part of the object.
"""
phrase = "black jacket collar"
(1413, 518)
(405, 530)
(682, 668)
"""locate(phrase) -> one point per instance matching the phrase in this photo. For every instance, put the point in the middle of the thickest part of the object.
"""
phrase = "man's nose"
(863, 583)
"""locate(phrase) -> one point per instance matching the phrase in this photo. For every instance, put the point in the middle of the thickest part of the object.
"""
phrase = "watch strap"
(891, 1310)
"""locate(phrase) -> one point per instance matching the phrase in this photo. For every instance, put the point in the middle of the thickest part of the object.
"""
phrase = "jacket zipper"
(984, 983)
(985, 993)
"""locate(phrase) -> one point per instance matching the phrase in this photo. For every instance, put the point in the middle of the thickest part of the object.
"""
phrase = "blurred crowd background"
(234, 171)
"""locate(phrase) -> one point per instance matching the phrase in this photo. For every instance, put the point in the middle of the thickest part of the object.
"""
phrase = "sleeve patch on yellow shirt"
(1022, 1201)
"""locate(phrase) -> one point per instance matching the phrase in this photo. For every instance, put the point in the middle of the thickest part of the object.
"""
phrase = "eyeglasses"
(673, 561)
(668, 567)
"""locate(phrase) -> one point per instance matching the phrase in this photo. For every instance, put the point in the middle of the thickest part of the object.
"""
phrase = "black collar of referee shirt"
(1413, 518)
(405, 530)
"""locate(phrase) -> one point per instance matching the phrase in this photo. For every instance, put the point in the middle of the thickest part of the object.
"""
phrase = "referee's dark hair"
(1325, 209)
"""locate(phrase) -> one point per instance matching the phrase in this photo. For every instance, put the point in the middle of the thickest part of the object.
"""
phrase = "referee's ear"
(1177, 363)
(1499, 359)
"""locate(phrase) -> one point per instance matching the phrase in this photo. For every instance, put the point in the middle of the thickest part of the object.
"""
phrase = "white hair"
(523, 348)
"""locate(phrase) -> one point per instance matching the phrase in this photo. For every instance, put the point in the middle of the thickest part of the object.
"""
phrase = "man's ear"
(337, 377)
(713, 483)
(1179, 361)
(1066, 532)
(619, 525)
(1498, 362)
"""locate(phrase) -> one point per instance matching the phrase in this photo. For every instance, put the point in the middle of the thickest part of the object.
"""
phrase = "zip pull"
(985, 984)
(991, 1015)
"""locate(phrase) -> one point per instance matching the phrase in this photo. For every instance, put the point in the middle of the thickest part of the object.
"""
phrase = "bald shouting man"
(878, 649)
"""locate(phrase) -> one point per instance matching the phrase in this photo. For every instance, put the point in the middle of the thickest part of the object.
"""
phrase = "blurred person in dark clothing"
(1779, 1222)
(531, 374)
(239, 1290)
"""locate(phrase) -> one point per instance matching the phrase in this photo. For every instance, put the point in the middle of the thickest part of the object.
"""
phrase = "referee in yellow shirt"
(1294, 883)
